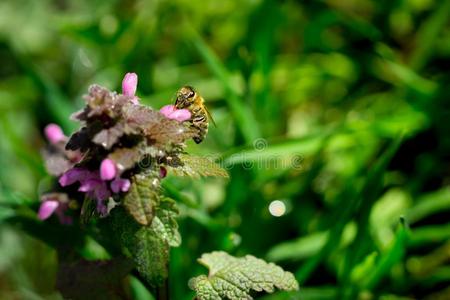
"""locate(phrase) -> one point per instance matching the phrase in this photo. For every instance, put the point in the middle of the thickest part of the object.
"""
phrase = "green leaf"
(196, 166)
(150, 251)
(299, 248)
(149, 245)
(151, 255)
(142, 198)
(388, 259)
(429, 204)
(125, 158)
(164, 223)
(233, 278)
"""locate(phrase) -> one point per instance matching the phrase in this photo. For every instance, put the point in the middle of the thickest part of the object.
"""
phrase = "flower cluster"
(119, 139)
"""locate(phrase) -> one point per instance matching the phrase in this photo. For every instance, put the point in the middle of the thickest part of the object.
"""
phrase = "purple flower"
(90, 182)
(171, 112)
(73, 175)
(54, 133)
(47, 208)
(52, 206)
(120, 185)
(108, 169)
(102, 208)
(100, 191)
(95, 183)
(129, 85)
(89, 185)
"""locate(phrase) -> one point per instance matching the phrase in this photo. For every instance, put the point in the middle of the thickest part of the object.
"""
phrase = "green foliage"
(234, 278)
(197, 166)
(142, 198)
(334, 83)
(148, 244)
(150, 252)
(164, 223)
(147, 247)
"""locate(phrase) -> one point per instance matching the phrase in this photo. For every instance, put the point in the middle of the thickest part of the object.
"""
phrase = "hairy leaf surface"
(150, 252)
(165, 224)
(108, 137)
(234, 278)
(141, 199)
(197, 166)
(125, 158)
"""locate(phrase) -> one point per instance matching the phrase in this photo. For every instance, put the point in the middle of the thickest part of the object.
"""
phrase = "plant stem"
(162, 293)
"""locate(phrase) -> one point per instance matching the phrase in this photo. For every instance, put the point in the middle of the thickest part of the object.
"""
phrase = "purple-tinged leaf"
(141, 199)
(125, 158)
(108, 137)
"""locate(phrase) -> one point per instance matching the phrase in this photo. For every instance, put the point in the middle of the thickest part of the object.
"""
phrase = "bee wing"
(209, 115)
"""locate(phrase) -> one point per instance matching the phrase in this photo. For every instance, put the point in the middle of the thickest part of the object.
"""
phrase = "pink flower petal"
(47, 208)
(129, 84)
(171, 112)
(167, 110)
(54, 133)
(135, 100)
(73, 175)
(120, 185)
(102, 192)
(89, 185)
(108, 169)
(180, 115)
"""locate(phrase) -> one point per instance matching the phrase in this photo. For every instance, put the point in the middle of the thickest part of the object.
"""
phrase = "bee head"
(185, 96)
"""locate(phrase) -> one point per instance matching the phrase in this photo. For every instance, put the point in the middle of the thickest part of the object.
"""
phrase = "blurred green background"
(339, 109)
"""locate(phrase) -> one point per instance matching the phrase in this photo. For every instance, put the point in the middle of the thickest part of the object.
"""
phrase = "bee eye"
(191, 94)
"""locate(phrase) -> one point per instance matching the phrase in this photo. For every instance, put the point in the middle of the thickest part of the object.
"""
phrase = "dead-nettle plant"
(109, 175)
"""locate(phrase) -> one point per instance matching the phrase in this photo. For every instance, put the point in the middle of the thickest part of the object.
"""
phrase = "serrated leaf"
(165, 224)
(149, 251)
(151, 255)
(108, 137)
(100, 102)
(196, 166)
(125, 158)
(234, 278)
(141, 199)
(159, 130)
(163, 131)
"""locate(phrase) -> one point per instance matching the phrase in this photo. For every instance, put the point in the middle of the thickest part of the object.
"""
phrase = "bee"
(189, 99)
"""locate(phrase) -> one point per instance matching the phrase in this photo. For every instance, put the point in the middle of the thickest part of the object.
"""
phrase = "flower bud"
(108, 169)
(120, 185)
(180, 115)
(167, 109)
(47, 208)
(54, 133)
(171, 112)
(129, 84)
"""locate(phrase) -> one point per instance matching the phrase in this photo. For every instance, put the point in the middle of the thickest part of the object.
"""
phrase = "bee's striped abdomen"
(200, 124)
